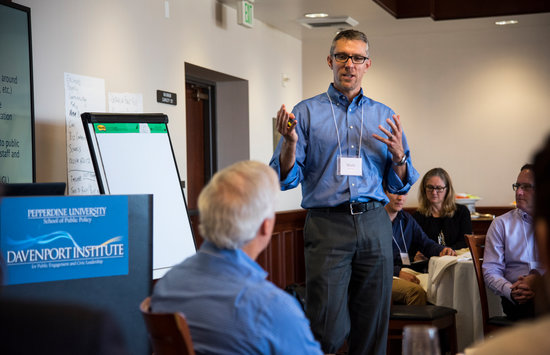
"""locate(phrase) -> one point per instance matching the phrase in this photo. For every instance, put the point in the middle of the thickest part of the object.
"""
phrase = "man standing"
(327, 145)
(510, 262)
(230, 307)
(408, 237)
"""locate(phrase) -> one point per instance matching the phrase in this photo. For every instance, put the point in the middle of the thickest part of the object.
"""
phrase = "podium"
(92, 251)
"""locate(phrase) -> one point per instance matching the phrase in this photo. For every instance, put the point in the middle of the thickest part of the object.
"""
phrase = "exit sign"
(245, 13)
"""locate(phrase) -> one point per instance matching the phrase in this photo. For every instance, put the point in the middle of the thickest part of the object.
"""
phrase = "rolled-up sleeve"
(294, 176)
(395, 184)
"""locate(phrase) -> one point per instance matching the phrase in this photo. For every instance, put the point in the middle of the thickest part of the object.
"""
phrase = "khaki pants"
(409, 293)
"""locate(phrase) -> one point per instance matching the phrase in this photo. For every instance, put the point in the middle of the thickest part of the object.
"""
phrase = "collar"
(399, 217)
(524, 216)
(338, 98)
(236, 256)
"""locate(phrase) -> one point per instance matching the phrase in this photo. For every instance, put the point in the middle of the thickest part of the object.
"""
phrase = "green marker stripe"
(101, 128)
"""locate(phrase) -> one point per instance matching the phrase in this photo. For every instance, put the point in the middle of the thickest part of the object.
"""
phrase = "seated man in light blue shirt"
(230, 307)
(511, 263)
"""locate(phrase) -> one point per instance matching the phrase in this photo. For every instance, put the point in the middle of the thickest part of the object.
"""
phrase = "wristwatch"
(402, 161)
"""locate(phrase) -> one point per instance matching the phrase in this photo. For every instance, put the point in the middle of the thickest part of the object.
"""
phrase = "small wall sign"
(165, 97)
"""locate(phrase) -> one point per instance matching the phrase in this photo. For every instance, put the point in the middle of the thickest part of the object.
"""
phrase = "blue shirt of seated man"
(230, 307)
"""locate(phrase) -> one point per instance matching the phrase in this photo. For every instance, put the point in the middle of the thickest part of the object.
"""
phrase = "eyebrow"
(360, 55)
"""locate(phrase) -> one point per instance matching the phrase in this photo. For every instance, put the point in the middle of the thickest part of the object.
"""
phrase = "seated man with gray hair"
(230, 307)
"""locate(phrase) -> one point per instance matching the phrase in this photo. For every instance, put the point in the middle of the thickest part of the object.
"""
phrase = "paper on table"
(437, 267)
(441, 264)
(422, 277)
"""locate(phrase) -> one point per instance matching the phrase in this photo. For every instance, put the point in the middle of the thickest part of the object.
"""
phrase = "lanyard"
(336, 126)
(402, 238)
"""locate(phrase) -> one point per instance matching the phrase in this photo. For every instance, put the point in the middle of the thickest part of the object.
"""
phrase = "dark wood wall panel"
(283, 259)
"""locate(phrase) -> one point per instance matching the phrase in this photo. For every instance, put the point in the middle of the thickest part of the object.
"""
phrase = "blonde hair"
(449, 206)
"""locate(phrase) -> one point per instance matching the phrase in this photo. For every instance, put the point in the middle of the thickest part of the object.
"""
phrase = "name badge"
(350, 166)
(405, 258)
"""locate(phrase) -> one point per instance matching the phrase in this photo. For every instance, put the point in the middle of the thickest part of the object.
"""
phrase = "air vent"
(344, 21)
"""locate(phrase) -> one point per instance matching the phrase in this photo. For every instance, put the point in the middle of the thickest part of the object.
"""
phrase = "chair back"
(443, 318)
(476, 243)
(168, 332)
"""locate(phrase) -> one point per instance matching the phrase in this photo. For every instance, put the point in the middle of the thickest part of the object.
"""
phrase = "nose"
(348, 63)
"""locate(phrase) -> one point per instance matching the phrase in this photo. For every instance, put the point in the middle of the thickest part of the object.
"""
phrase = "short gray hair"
(237, 200)
(350, 35)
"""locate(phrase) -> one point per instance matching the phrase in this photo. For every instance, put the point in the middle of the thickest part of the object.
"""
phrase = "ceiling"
(372, 18)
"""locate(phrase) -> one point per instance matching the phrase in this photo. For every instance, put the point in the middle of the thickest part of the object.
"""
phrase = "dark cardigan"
(453, 227)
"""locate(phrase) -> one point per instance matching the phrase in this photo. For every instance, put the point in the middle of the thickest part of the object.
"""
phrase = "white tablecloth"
(452, 283)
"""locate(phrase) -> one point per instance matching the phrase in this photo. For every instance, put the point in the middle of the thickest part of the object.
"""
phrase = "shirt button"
(353, 146)
(351, 127)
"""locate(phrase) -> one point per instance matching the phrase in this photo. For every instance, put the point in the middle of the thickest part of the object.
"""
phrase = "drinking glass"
(420, 340)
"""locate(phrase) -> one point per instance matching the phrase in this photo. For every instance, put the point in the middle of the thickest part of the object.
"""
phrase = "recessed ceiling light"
(316, 15)
(340, 22)
(508, 22)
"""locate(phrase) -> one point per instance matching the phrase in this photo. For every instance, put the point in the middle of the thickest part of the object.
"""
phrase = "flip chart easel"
(132, 154)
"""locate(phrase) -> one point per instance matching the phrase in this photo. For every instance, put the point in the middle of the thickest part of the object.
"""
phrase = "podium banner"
(61, 238)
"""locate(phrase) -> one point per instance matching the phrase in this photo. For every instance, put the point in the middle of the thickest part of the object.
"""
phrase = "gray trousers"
(349, 279)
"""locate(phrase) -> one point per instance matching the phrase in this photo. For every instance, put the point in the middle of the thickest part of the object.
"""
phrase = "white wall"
(475, 102)
(136, 49)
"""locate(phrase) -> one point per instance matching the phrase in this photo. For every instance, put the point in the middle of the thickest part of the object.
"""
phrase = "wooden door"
(200, 147)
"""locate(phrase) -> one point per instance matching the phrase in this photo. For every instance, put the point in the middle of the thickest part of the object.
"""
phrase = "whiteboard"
(132, 154)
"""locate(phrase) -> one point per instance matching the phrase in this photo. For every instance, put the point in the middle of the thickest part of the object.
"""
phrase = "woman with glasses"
(440, 217)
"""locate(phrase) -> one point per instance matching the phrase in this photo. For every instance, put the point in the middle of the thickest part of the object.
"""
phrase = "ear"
(329, 61)
(368, 63)
(266, 228)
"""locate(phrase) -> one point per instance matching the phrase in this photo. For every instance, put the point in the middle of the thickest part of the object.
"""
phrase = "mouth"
(347, 76)
(347, 73)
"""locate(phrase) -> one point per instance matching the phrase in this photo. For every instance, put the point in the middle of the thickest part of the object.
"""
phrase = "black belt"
(352, 208)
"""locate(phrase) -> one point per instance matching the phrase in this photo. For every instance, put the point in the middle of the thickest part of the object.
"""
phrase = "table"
(452, 283)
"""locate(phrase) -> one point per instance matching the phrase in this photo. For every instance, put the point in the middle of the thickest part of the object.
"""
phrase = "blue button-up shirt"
(317, 151)
(231, 308)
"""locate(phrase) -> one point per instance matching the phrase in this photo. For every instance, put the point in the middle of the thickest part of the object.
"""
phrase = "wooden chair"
(168, 332)
(476, 243)
(443, 318)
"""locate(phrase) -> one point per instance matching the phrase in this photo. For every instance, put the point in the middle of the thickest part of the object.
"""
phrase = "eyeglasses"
(524, 187)
(355, 59)
(438, 189)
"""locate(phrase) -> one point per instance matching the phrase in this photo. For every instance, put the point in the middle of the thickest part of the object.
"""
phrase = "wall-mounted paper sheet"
(82, 94)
